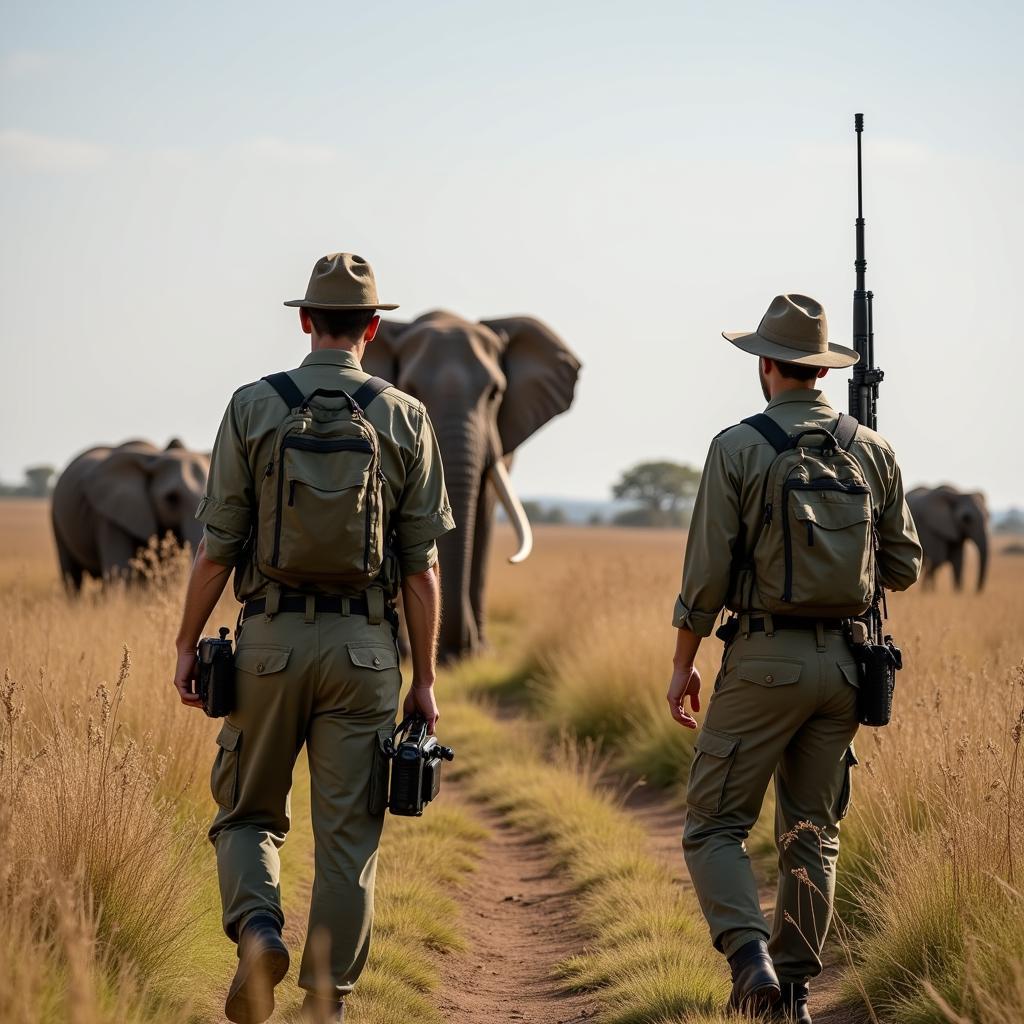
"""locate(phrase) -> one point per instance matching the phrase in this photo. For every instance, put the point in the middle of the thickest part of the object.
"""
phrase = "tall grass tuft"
(105, 858)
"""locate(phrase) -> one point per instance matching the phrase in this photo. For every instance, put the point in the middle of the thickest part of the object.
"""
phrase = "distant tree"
(39, 480)
(595, 519)
(534, 511)
(663, 490)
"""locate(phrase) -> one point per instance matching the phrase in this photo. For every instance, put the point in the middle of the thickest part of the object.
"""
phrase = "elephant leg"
(70, 571)
(116, 549)
(481, 560)
(956, 560)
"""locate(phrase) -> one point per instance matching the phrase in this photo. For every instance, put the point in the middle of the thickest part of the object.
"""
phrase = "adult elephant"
(488, 386)
(946, 519)
(110, 501)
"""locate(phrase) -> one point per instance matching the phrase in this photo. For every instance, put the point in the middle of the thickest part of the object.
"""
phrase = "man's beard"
(764, 381)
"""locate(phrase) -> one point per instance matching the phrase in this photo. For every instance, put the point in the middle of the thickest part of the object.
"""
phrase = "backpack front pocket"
(325, 519)
(828, 546)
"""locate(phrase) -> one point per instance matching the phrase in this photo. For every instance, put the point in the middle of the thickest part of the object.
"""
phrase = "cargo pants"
(785, 705)
(331, 682)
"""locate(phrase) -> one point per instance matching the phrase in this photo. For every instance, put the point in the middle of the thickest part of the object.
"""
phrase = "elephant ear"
(118, 490)
(541, 372)
(380, 357)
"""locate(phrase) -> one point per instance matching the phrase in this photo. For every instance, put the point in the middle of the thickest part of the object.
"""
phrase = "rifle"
(863, 404)
(878, 658)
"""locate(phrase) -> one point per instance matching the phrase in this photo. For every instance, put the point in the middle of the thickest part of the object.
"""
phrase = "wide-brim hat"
(794, 330)
(341, 280)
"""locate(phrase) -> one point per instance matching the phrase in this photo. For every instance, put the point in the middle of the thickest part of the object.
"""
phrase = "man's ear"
(304, 322)
(822, 372)
(371, 331)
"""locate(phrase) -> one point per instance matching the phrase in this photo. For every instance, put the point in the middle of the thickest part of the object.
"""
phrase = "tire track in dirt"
(663, 821)
(519, 921)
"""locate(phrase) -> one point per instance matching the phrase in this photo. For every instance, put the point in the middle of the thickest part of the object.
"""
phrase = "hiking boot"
(755, 985)
(793, 1007)
(262, 963)
(322, 1010)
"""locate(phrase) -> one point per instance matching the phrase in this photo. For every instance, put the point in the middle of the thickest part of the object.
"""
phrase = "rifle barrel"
(863, 394)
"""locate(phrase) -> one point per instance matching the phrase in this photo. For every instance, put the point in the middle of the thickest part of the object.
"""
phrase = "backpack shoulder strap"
(286, 388)
(846, 430)
(770, 431)
(369, 390)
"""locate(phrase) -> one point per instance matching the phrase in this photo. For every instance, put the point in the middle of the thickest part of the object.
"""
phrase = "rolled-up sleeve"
(899, 549)
(714, 530)
(423, 513)
(226, 510)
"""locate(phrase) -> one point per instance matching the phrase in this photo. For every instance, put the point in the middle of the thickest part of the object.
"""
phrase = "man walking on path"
(325, 496)
(791, 571)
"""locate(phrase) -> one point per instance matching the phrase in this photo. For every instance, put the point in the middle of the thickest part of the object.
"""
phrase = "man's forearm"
(421, 593)
(205, 585)
(687, 643)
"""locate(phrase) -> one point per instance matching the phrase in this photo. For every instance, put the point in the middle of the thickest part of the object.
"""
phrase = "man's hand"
(420, 700)
(685, 683)
(184, 675)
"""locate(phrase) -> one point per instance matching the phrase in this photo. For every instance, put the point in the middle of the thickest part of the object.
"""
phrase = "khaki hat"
(341, 280)
(794, 330)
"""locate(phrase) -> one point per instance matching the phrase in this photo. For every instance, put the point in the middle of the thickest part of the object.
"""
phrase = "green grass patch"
(648, 957)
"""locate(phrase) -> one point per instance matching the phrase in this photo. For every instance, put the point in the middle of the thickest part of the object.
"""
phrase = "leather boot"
(755, 985)
(262, 963)
(321, 1010)
(793, 1008)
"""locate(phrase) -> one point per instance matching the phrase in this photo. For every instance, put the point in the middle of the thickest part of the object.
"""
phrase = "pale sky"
(641, 176)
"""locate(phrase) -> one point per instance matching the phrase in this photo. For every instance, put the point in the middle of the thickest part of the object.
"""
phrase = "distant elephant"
(946, 518)
(110, 501)
(487, 386)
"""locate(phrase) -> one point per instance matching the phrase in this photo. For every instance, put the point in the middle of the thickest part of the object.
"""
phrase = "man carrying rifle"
(800, 517)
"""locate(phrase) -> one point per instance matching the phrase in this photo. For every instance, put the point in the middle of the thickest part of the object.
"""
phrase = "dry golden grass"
(106, 881)
(109, 912)
(931, 873)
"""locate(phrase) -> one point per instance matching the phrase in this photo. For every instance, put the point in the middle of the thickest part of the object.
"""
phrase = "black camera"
(215, 678)
(416, 758)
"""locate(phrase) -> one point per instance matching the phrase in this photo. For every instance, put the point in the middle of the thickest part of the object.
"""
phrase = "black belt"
(796, 622)
(331, 603)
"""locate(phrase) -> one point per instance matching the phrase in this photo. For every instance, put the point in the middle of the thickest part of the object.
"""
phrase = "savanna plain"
(546, 884)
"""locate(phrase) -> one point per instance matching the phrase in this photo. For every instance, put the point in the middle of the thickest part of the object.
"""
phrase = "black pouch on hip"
(215, 681)
(877, 665)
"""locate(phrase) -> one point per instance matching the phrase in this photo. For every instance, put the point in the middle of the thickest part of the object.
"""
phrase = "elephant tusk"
(498, 475)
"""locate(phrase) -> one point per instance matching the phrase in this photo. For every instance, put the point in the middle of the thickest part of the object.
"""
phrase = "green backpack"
(814, 553)
(320, 517)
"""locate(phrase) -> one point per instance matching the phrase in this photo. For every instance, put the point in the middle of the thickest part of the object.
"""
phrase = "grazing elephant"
(110, 501)
(487, 386)
(945, 519)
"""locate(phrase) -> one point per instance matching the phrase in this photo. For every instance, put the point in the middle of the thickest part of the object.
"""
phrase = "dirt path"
(663, 821)
(518, 920)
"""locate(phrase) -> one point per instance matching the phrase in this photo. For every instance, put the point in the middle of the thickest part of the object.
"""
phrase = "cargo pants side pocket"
(846, 789)
(715, 753)
(224, 776)
(380, 772)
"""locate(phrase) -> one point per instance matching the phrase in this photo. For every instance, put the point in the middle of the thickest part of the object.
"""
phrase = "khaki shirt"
(415, 501)
(729, 506)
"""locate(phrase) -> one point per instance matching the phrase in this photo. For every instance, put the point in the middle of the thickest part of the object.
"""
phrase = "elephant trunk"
(499, 478)
(464, 458)
(981, 542)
